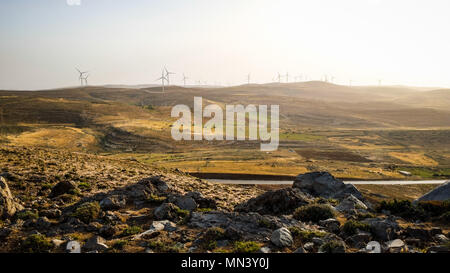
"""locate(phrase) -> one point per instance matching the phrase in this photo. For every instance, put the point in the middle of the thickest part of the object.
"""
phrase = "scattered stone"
(331, 224)
(57, 243)
(396, 246)
(350, 204)
(300, 250)
(201, 201)
(62, 188)
(264, 249)
(418, 233)
(405, 173)
(439, 249)
(359, 240)
(95, 243)
(107, 231)
(113, 202)
(165, 211)
(282, 237)
(155, 227)
(308, 246)
(186, 203)
(73, 247)
(42, 223)
(441, 238)
(383, 229)
(373, 247)
(283, 201)
(8, 206)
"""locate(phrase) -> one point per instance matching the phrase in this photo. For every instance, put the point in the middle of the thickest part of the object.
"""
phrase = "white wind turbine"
(81, 76)
(184, 80)
(163, 78)
(168, 73)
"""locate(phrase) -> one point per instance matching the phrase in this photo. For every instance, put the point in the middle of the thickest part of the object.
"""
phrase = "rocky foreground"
(55, 201)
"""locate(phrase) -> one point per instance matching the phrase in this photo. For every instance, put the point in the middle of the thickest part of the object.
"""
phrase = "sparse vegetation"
(313, 213)
(36, 243)
(351, 227)
(87, 212)
(133, 230)
(246, 247)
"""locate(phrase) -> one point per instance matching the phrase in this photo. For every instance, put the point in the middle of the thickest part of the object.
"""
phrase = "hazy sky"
(221, 41)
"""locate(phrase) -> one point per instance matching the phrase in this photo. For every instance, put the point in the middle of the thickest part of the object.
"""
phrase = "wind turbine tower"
(184, 80)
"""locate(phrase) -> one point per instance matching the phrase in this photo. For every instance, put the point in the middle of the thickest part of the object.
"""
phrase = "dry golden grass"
(414, 158)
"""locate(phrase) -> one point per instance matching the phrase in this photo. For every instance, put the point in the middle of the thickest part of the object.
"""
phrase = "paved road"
(380, 182)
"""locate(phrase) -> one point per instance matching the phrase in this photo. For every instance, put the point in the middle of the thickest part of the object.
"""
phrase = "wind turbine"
(168, 73)
(184, 80)
(163, 78)
(248, 78)
(279, 77)
(81, 75)
(85, 79)
(287, 76)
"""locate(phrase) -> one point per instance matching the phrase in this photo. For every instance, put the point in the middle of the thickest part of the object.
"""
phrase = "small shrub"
(351, 227)
(306, 235)
(402, 208)
(159, 246)
(210, 238)
(87, 212)
(27, 215)
(133, 230)
(155, 199)
(84, 186)
(332, 247)
(313, 212)
(246, 247)
(119, 244)
(435, 208)
(46, 186)
(36, 243)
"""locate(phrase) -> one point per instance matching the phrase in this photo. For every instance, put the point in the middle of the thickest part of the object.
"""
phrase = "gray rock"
(439, 249)
(264, 249)
(331, 224)
(350, 204)
(62, 188)
(283, 201)
(186, 203)
(165, 211)
(73, 247)
(300, 250)
(308, 246)
(441, 238)
(8, 206)
(95, 243)
(282, 237)
(51, 213)
(323, 184)
(396, 246)
(373, 247)
(57, 243)
(155, 227)
(440, 193)
(113, 202)
(359, 240)
(384, 229)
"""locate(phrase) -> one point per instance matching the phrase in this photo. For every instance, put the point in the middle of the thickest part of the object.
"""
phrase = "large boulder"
(440, 193)
(283, 201)
(323, 184)
(8, 207)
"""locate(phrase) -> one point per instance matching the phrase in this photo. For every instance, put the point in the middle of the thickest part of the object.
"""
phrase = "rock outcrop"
(440, 193)
(8, 206)
(323, 184)
(283, 201)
